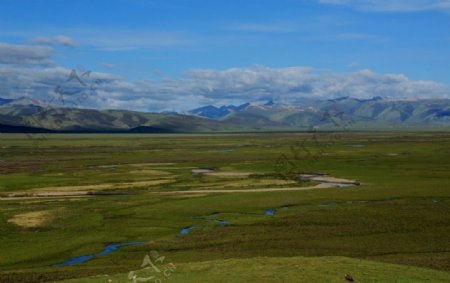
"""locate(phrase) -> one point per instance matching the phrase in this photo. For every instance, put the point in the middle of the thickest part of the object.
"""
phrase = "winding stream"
(107, 250)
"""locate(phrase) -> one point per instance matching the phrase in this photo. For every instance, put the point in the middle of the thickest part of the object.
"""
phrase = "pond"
(269, 212)
(185, 230)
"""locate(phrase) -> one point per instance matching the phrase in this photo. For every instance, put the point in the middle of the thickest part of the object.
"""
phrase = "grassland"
(395, 225)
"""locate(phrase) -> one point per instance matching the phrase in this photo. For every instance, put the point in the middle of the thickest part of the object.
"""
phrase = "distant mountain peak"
(5, 100)
(359, 114)
(375, 98)
(23, 101)
(214, 112)
(344, 98)
(339, 99)
(269, 102)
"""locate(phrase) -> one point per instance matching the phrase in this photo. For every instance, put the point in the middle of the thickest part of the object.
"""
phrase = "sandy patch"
(100, 187)
(80, 191)
(321, 186)
(327, 179)
(250, 183)
(32, 219)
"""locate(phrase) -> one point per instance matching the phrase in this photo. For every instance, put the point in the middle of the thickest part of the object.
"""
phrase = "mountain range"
(345, 113)
(341, 112)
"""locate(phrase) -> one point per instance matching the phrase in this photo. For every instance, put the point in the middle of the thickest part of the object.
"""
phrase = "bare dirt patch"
(32, 219)
(327, 179)
(259, 190)
(82, 191)
(107, 186)
(202, 171)
(392, 154)
(249, 183)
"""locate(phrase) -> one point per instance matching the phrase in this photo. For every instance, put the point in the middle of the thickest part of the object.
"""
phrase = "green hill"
(286, 269)
(344, 113)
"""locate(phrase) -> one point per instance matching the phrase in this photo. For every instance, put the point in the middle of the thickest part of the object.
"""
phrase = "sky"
(175, 55)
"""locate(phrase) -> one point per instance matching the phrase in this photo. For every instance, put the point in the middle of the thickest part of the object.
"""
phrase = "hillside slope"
(28, 115)
(287, 269)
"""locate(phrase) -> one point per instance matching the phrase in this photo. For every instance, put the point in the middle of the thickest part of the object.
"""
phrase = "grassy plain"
(400, 214)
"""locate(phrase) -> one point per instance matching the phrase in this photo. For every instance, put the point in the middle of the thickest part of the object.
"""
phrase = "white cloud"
(25, 55)
(201, 86)
(393, 5)
(65, 40)
(288, 84)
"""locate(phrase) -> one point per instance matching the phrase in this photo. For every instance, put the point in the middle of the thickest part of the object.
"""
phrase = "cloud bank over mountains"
(27, 70)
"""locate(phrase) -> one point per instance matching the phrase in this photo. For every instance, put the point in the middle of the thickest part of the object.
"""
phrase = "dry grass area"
(149, 164)
(81, 191)
(250, 190)
(100, 187)
(149, 172)
(239, 183)
(188, 196)
(327, 179)
(220, 174)
(229, 174)
(201, 171)
(32, 219)
(252, 183)
(392, 154)
(52, 200)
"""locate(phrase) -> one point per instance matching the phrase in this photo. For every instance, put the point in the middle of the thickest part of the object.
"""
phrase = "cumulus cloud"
(393, 5)
(24, 55)
(17, 81)
(196, 87)
(252, 83)
(63, 87)
(288, 84)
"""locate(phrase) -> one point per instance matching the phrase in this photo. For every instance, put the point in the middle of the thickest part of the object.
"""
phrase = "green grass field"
(394, 227)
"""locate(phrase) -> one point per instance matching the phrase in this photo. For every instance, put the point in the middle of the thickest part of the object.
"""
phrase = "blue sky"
(158, 55)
